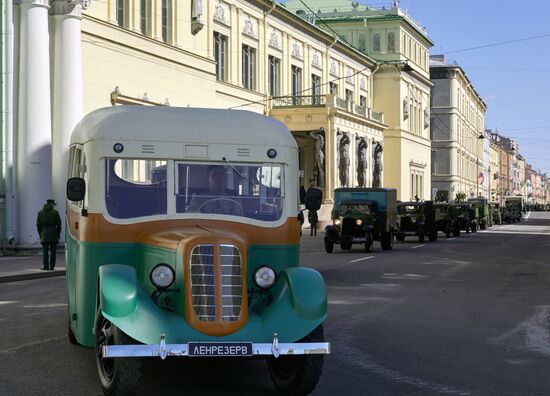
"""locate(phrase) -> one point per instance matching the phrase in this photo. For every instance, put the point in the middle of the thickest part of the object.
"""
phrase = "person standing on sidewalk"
(48, 224)
(313, 219)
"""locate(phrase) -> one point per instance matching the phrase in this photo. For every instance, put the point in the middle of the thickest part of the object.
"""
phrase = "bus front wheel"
(298, 375)
(118, 376)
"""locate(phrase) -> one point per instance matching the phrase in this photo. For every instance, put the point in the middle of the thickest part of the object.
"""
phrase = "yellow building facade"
(457, 130)
(401, 82)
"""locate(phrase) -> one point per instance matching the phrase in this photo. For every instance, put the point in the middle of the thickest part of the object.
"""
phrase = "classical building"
(65, 59)
(460, 159)
(494, 168)
(508, 177)
(400, 82)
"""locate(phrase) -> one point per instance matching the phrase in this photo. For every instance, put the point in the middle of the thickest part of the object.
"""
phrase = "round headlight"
(358, 221)
(264, 277)
(162, 276)
(337, 222)
(413, 220)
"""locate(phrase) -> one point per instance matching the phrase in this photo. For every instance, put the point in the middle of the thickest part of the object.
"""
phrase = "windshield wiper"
(237, 171)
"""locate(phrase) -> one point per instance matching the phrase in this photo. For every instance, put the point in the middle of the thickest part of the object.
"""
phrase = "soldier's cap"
(51, 201)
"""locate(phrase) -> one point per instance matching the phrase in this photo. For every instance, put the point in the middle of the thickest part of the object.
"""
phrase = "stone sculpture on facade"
(378, 167)
(197, 21)
(362, 146)
(343, 157)
(319, 156)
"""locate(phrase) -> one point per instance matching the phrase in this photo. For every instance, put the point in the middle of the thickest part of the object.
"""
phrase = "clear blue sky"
(513, 79)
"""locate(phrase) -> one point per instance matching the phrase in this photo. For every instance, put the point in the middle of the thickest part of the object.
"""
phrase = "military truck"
(467, 214)
(416, 218)
(515, 207)
(447, 219)
(483, 211)
(361, 216)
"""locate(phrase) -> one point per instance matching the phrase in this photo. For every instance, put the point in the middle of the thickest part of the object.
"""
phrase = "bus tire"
(120, 376)
(298, 375)
(71, 336)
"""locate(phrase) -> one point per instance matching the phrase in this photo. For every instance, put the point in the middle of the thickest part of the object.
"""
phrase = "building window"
(362, 42)
(274, 75)
(349, 95)
(220, 55)
(391, 42)
(316, 88)
(363, 101)
(296, 80)
(333, 88)
(167, 21)
(145, 17)
(249, 67)
(376, 42)
(122, 13)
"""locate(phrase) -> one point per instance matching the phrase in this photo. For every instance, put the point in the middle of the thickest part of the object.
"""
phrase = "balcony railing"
(326, 101)
(310, 100)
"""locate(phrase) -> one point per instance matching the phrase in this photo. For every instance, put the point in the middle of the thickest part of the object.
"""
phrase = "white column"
(34, 125)
(67, 91)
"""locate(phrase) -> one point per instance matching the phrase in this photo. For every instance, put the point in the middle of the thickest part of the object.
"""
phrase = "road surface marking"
(515, 232)
(451, 239)
(13, 349)
(7, 302)
(417, 246)
(361, 259)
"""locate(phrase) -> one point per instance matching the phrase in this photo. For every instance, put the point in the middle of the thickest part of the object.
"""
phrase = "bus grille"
(209, 275)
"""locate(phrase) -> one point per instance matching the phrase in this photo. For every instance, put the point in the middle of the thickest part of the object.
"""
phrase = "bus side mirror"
(76, 188)
(314, 198)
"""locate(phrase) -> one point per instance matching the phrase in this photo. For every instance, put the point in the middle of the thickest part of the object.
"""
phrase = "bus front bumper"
(215, 349)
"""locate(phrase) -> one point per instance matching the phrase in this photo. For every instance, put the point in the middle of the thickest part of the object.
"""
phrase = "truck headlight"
(358, 222)
(337, 222)
(162, 276)
(413, 220)
(265, 277)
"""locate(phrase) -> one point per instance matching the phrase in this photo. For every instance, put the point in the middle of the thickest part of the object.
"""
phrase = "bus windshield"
(254, 191)
(137, 188)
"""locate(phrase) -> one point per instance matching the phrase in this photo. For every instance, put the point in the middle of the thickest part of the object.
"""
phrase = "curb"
(15, 278)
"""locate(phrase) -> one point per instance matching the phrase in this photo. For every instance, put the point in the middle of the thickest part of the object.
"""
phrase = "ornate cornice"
(70, 8)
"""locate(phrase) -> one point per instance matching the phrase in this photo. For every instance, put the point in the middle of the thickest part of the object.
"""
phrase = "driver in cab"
(216, 198)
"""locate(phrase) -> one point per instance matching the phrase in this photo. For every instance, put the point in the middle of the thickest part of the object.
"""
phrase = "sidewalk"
(25, 267)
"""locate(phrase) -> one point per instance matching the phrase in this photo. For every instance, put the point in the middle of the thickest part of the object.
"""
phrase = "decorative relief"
(274, 39)
(363, 83)
(219, 12)
(349, 75)
(334, 67)
(297, 50)
(248, 28)
(316, 59)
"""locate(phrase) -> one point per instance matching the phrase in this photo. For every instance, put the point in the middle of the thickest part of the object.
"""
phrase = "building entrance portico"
(340, 144)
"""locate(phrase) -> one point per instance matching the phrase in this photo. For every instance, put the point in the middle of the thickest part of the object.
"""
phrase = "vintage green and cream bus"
(182, 239)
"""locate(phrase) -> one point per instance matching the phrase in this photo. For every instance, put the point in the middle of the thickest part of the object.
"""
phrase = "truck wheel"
(345, 245)
(421, 235)
(329, 246)
(118, 376)
(368, 242)
(448, 231)
(386, 240)
(474, 228)
(298, 375)
(456, 232)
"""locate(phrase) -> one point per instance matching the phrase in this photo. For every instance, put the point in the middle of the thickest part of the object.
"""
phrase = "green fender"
(298, 306)
(117, 289)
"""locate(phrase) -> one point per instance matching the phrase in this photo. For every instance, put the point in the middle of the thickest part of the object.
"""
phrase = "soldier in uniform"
(48, 224)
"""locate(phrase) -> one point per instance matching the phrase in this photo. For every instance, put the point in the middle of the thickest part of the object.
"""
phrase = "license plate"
(220, 349)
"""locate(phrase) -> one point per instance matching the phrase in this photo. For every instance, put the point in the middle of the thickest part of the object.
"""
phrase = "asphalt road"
(464, 316)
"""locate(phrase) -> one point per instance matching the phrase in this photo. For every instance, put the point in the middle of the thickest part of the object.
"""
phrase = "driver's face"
(217, 179)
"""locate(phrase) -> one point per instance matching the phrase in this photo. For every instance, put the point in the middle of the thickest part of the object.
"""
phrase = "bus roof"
(177, 124)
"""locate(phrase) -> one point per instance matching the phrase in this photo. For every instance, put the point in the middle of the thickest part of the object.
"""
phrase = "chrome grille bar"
(203, 282)
(231, 278)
